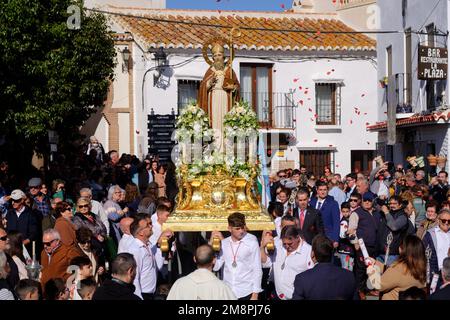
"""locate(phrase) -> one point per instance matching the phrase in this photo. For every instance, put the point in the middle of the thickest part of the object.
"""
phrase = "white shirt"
(148, 261)
(443, 244)
(99, 211)
(157, 230)
(294, 263)
(20, 211)
(246, 277)
(277, 222)
(125, 243)
(201, 284)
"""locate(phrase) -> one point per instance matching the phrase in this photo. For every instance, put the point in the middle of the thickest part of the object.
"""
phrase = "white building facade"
(314, 93)
(421, 106)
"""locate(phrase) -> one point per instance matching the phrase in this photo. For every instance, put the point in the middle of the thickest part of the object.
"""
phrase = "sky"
(245, 5)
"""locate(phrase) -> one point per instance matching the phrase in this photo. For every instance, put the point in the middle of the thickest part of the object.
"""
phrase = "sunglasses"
(367, 200)
(47, 244)
(14, 200)
(353, 200)
(282, 176)
(445, 221)
(83, 206)
(4, 238)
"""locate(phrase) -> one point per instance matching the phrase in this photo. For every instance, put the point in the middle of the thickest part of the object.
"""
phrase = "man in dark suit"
(21, 219)
(325, 281)
(444, 292)
(310, 221)
(329, 210)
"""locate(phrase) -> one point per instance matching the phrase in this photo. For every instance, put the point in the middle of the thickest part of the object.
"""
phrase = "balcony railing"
(274, 110)
(342, 4)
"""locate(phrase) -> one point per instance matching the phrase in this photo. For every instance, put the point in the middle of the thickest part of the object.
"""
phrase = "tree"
(51, 77)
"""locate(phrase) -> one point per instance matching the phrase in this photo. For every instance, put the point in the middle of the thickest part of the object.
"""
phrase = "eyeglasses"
(445, 221)
(83, 206)
(14, 200)
(47, 244)
(282, 176)
(353, 200)
(68, 209)
(4, 238)
(367, 200)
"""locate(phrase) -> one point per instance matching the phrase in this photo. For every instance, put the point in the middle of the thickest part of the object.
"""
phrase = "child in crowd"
(345, 249)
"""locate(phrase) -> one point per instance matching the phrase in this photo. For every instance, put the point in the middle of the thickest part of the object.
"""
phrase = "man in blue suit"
(325, 281)
(329, 210)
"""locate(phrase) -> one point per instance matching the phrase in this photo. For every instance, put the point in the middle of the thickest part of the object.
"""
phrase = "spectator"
(16, 252)
(325, 281)
(283, 197)
(84, 239)
(276, 209)
(364, 224)
(83, 271)
(55, 257)
(346, 249)
(408, 271)
(329, 210)
(431, 220)
(393, 223)
(13, 275)
(114, 212)
(437, 240)
(120, 287)
(201, 284)
(28, 289)
(85, 218)
(439, 187)
(444, 291)
(64, 225)
(336, 192)
(41, 201)
(87, 288)
(55, 289)
(145, 175)
(5, 290)
(290, 258)
(310, 219)
(148, 202)
(240, 258)
(350, 180)
(21, 219)
(49, 221)
(96, 207)
(132, 198)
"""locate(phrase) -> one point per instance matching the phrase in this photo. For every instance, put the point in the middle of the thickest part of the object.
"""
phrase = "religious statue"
(219, 89)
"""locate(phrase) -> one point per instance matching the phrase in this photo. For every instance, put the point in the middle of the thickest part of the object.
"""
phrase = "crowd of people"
(94, 226)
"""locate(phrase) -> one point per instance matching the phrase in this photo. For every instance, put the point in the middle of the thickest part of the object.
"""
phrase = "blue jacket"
(330, 216)
(325, 282)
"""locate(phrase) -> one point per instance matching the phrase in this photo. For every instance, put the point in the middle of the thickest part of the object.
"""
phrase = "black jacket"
(115, 290)
(28, 224)
(312, 224)
(399, 225)
(325, 282)
(443, 294)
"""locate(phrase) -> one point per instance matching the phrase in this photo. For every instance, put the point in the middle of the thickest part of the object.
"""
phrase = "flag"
(263, 179)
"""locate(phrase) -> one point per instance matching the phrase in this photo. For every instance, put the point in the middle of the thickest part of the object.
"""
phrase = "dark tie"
(319, 206)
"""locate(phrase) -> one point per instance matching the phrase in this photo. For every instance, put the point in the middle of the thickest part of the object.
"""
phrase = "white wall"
(102, 133)
(124, 132)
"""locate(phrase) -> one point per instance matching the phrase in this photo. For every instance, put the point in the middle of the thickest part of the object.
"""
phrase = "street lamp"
(160, 58)
(126, 59)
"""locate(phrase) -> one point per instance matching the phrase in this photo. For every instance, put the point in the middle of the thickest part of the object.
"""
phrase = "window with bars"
(316, 161)
(328, 104)
(187, 92)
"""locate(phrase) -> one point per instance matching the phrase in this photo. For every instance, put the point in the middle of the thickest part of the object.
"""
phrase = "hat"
(368, 196)
(17, 194)
(34, 182)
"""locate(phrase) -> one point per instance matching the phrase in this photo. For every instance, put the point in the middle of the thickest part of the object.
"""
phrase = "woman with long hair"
(16, 252)
(148, 202)
(132, 197)
(410, 270)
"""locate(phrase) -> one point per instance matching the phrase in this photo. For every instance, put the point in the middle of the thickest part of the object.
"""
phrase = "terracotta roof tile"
(157, 33)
